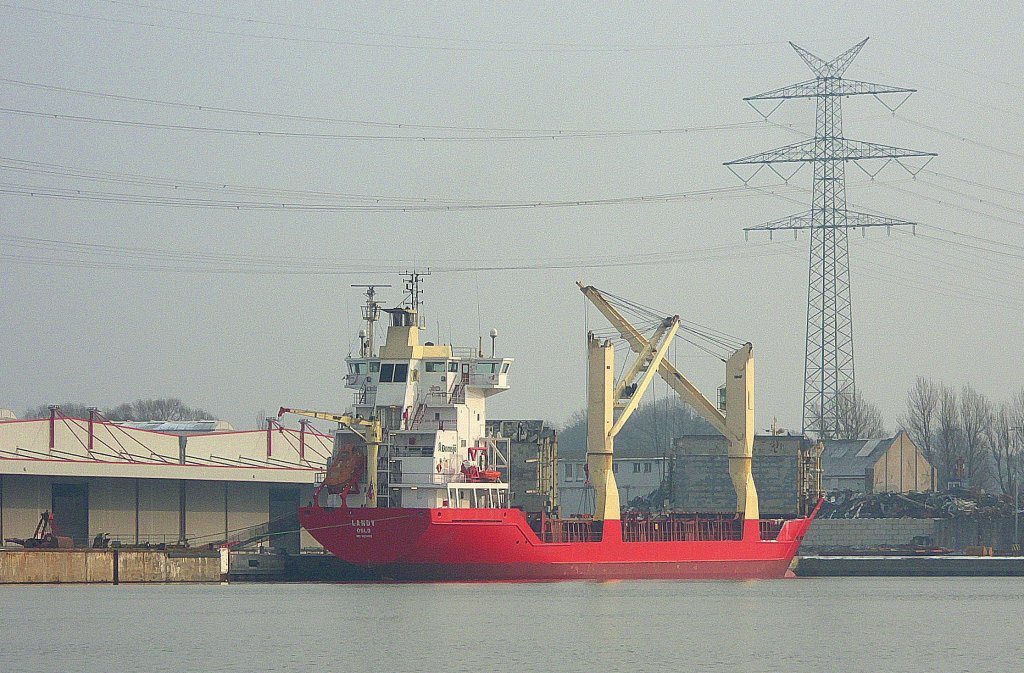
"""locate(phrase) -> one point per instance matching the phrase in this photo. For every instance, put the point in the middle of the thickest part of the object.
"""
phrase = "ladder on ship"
(384, 476)
(421, 410)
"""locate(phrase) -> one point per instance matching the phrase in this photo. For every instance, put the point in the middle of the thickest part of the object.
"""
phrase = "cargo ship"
(416, 490)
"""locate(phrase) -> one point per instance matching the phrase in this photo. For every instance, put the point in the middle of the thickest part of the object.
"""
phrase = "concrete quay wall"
(866, 532)
(87, 566)
(956, 533)
(910, 566)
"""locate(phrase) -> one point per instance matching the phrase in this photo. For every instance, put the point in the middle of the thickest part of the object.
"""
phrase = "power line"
(502, 132)
(279, 133)
(974, 183)
(39, 191)
(75, 254)
(960, 137)
(931, 58)
(525, 48)
(941, 286)
(414, 36)
(949, 204)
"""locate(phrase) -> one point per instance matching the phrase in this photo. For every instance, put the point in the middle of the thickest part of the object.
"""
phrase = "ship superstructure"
(428, 402)
(417, 490)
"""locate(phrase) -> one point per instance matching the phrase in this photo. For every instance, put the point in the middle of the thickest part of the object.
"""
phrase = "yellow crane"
(736, 423)
(347, 462)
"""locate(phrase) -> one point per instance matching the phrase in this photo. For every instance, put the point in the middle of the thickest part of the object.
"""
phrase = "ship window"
(615, 468)
(568, 470)
(647, 467)
(486, 367)
(504, 368)
(453, 366)
(401, 372)
(374, 367)
(387, 373)
(357, 367)
(636, 467)
(434, 367)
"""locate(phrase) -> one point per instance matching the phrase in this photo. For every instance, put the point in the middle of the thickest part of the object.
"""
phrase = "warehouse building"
(887, 465)
(180, 483)
(637, 475)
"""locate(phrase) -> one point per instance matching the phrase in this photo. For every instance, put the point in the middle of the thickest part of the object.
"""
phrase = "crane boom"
(344, 419)
(672, 376)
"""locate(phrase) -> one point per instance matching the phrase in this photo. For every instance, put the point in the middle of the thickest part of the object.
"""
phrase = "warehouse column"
(181, 512)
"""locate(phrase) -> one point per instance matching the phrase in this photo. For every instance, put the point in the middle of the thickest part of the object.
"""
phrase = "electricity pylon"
(828, 360)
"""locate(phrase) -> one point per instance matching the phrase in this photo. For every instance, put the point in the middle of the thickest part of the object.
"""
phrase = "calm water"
(884, 624)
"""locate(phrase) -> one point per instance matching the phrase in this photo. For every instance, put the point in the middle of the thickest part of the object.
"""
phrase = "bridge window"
(435, 367)
(401, 372)
(357, 367)
(374, 367)
(486, 367)
(453, 366)
(504, 368)
(387, 373)
(568, 471)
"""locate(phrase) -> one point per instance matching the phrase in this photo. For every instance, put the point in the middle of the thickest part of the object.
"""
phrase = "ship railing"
(477, 495)
(465, 352)
(570, 530)
(770, 528)
(682, 528)
(437, 398)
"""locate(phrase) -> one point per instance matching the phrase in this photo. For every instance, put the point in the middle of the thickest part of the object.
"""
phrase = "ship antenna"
(371, 314)
(414, 291)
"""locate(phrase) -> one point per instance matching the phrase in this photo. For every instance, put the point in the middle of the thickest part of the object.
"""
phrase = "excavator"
(45, 536)
(349, 461)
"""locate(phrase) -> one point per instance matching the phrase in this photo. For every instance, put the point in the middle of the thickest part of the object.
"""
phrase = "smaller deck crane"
(348, 462)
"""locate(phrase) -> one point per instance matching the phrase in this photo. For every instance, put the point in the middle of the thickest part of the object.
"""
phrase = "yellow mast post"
(603, 395)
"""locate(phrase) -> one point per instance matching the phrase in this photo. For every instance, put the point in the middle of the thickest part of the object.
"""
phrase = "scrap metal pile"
(915, 505)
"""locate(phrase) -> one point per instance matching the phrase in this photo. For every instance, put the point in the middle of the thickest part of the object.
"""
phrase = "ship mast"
(371, 314)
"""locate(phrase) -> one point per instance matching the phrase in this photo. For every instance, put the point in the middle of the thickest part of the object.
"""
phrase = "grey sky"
(236, 344)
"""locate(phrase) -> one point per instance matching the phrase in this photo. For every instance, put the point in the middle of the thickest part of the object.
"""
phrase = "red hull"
(499, 544)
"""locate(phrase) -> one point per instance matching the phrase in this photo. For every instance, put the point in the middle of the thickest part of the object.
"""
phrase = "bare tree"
(920, 418)
(947, 433)
(1003, 444)
(1016, 457)
(653, 427)
(858, 418)
(166, 409)
(975, 430)
(69, 409)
